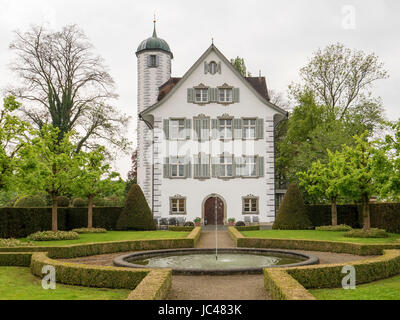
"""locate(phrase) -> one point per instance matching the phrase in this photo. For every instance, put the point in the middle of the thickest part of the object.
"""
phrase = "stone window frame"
(178, 158)
(225, 117)
(179, 198)
(201, 86)
(197, 157)
(225, 86)
(178, 138)
(226, 155)
(153, 61)
(244, 157)
(251, 197)
(201, 118)
(255, 128)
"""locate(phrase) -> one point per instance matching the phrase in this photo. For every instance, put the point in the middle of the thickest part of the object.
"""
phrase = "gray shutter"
(205, 132)
(166, 168)
(157, 61)
(219, 67)
(260, 166)
(148, 61)
(215, 167)
(206, 67)
(236, 95)
(188, 168)
(188, 127)
(237, 128)
(196, 167)
(260, 129)
(197, 123)
(166, 129)
(215, 128)
(190, 95)
(238, 166)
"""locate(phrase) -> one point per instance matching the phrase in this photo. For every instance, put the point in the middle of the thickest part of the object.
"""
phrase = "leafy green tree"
(48, 165)
(13, 133)
(240, 65)
(325, 180)
(93, 178)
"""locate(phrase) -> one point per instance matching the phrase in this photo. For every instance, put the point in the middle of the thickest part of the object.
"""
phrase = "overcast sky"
(276, 37)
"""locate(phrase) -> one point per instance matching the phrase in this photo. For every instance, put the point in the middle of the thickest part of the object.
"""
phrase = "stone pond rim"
(308, 259)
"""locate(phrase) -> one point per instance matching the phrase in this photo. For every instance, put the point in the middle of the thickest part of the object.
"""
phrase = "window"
(178, 206)
(250, 167)
(177, 168)
(225, 129)
(201, 95)
(202, 166)
(152, 61)
(177, 129)
(226, 167)
(213, 67)
(250, 205)
(249, 128)
(225, 95)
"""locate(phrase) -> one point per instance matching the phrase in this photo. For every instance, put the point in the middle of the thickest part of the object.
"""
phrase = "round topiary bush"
(136, 215)
(12, 243)
(63, 202)
(53, 236)
(240, 224)
(79, 203)
(37, 201)
(292, 214)
(189, 224)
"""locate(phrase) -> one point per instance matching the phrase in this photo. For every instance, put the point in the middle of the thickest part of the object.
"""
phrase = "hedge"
(311, 245)
(248, 228)
(91, 249)
(383, 215)
(179, 229)
(155, 286)
(21, 259)
(290, 283)
(20, 222)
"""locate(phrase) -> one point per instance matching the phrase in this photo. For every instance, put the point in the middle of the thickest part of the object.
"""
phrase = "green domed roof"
(154, 43)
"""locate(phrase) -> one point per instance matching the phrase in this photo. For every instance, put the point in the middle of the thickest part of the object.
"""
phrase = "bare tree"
(65, 84)
(278, 99)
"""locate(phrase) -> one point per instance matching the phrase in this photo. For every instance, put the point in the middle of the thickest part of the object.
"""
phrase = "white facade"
(158, 147)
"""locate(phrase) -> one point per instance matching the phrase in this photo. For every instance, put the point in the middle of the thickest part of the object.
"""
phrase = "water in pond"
(208, 261)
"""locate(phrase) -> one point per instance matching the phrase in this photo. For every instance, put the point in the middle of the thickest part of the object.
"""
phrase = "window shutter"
(238, 166)
(196, 167)
(166, 129)
(157, 61)
(236, 95)
(215, 168)
(205, 129)
(219, 67)
(260, 166)
(197, 128)
(214, 128)
(188, 126)
(206, 67)
(213, 94)
(166, 168)
(190, 95)
(188, 169)
(260, 129)
(148, 61)
(237, 128)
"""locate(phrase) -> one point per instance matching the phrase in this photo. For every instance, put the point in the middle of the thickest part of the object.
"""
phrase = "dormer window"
(152, 61)
(201, 95)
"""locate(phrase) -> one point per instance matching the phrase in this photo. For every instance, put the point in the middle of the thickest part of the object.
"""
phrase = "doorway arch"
(208, 210)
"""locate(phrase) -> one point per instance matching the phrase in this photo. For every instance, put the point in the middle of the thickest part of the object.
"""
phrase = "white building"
(204, 139)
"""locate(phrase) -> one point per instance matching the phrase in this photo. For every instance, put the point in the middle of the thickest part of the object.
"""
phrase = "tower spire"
(154, 31)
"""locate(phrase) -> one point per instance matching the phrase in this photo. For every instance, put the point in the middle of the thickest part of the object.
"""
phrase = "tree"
(47, 164)
(240, 65)
(94, 177)
(367, 172)
(13, 133)
(136, 214)
(324, 180)
(340, 78)
(64, 84)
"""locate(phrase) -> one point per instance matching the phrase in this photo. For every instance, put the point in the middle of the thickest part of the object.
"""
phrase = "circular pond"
(204, 261)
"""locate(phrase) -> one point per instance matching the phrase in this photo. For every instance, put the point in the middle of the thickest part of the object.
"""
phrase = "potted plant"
(231, 222)
(197, 222)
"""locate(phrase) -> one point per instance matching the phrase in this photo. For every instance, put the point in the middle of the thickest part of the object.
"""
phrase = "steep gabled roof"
(174, 83)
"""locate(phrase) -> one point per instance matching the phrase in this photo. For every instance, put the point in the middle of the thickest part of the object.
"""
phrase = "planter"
(197, 224)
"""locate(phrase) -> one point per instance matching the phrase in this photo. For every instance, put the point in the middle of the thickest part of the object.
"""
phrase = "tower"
(154, 69)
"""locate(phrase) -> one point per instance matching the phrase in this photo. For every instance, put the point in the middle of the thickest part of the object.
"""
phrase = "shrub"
(231, 220)
(240, 224)
(12, 243)
(79, 203)
(179, 229)
(89, 230)
(15, 259)
(292, 213)
(36, 201)
(341, 227)
(136, 214)
(371, 233)
(189, 224)
(172, 222)
(248, 228)
(197, 220)
(321, 215)
(63, 202)
(53, 236)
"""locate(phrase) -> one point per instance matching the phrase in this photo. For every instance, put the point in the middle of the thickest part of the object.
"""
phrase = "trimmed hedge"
(371, 233)
(291, 283)
(180, 229)
(155, 286)
(21, 259)
(248, 228)
(21, 222)
(53, 236)
(89, 230)
(341, 227)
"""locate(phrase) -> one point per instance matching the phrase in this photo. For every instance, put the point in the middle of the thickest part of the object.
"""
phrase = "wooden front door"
(210, 218)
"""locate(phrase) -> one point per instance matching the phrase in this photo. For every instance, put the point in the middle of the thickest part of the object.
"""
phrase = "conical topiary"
(292, 214)
(136, 214)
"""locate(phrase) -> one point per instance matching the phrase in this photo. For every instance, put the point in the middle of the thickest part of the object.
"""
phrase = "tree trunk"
(90, 212)
(366, 214)
(334, 212)
(54, 222)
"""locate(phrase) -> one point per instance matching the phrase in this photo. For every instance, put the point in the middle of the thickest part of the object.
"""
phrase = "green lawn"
(388, 289)
(116, 236)
(316, 235)
(19, 284)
